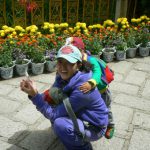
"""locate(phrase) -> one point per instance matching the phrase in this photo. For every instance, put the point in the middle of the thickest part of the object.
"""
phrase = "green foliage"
(130, 39)
(6, 56)
(37, 55)
(120, 43)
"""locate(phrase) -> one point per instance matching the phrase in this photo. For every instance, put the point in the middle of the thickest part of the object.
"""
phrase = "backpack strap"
(72, 116)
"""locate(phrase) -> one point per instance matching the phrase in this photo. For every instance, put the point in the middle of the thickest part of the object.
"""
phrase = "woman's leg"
(64, 129)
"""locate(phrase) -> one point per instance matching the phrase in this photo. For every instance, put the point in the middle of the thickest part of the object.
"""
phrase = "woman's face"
(66, 69)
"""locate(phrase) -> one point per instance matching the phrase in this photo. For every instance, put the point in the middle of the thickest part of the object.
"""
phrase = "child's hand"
(28, 87)
(85, 87)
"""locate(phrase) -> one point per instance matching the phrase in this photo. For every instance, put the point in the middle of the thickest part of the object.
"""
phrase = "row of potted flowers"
(20, 69)
(109, 54)
(47, 63)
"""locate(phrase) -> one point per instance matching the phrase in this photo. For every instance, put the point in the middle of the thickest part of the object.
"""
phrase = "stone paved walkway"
(22, 127)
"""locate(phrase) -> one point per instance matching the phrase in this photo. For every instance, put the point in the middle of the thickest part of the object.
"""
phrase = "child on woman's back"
(95, 81)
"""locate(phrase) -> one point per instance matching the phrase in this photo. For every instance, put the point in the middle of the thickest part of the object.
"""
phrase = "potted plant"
(21, 62)
(109, 36)
(131, 45)
(144, 39)
(6, 61)
(96, 47)
(121, 47)
(36, 55)
(50, 65)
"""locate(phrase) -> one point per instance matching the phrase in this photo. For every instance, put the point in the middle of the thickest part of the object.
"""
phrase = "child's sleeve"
(96, 72)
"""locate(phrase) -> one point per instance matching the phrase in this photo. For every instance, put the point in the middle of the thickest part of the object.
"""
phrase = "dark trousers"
(108, 99)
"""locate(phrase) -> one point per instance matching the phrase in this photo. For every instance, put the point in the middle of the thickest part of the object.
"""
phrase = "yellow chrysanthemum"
(56, 25)
(83, 25)
(4, 27)
(119, 20)
(138, 20)
(7, 30)
(11, 42)
(21, 34)
(14, 33)
(28, 28)
(90, 27)
(2, 34)
(45, 27)
(124, 26)
(51, 30)
(133, 20)
(123, 22)
(34, 27)
(33, 30)
(135, 28)
(78, 23)
(51, 26)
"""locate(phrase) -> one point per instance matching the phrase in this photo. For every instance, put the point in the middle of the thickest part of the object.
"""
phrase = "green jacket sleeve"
(97, 73)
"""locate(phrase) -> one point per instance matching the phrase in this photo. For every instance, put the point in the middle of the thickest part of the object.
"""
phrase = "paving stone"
(57, 145)
(146, 91)
(46, 78)
(141, 120)
(7, 106)
(5, 89)
(28, 114)
(145, 60)
(20, 96)
(118, 77)
(38, 140)
(13, 81)
(124, 88)
(122, 118)
(133, 102)
(142, 67)
(10, 129)
(44, 124)
(140, 140)
(122, 67)
(104, 144)
(135, 77)
(7, 146)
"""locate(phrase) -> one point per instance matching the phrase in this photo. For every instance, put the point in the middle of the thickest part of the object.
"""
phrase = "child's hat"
(76, 41)
(70, 53)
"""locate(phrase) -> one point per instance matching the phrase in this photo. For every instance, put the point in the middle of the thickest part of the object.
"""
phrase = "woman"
(88, 107)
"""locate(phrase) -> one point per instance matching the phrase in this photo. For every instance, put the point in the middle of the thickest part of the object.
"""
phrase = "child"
(95, 81)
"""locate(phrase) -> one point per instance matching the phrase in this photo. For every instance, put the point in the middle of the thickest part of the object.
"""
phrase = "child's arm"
(96, 77)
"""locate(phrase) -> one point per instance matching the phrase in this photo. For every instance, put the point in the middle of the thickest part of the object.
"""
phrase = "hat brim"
(68, 58)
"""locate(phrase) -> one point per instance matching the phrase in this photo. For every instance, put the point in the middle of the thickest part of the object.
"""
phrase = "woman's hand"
(28, 87)
(85, 87)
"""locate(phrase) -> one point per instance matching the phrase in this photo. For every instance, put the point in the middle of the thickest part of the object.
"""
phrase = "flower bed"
(37, 43)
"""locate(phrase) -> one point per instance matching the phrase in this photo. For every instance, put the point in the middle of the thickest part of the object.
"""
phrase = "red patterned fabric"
(47, 97)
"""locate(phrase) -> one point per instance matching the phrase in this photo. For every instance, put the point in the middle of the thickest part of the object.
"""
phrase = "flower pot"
(131, 52)
(7, 73)
(50, 66)
(120, 55)
(144, 51)
(37, 68)
(108, 54)
(22, 68)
